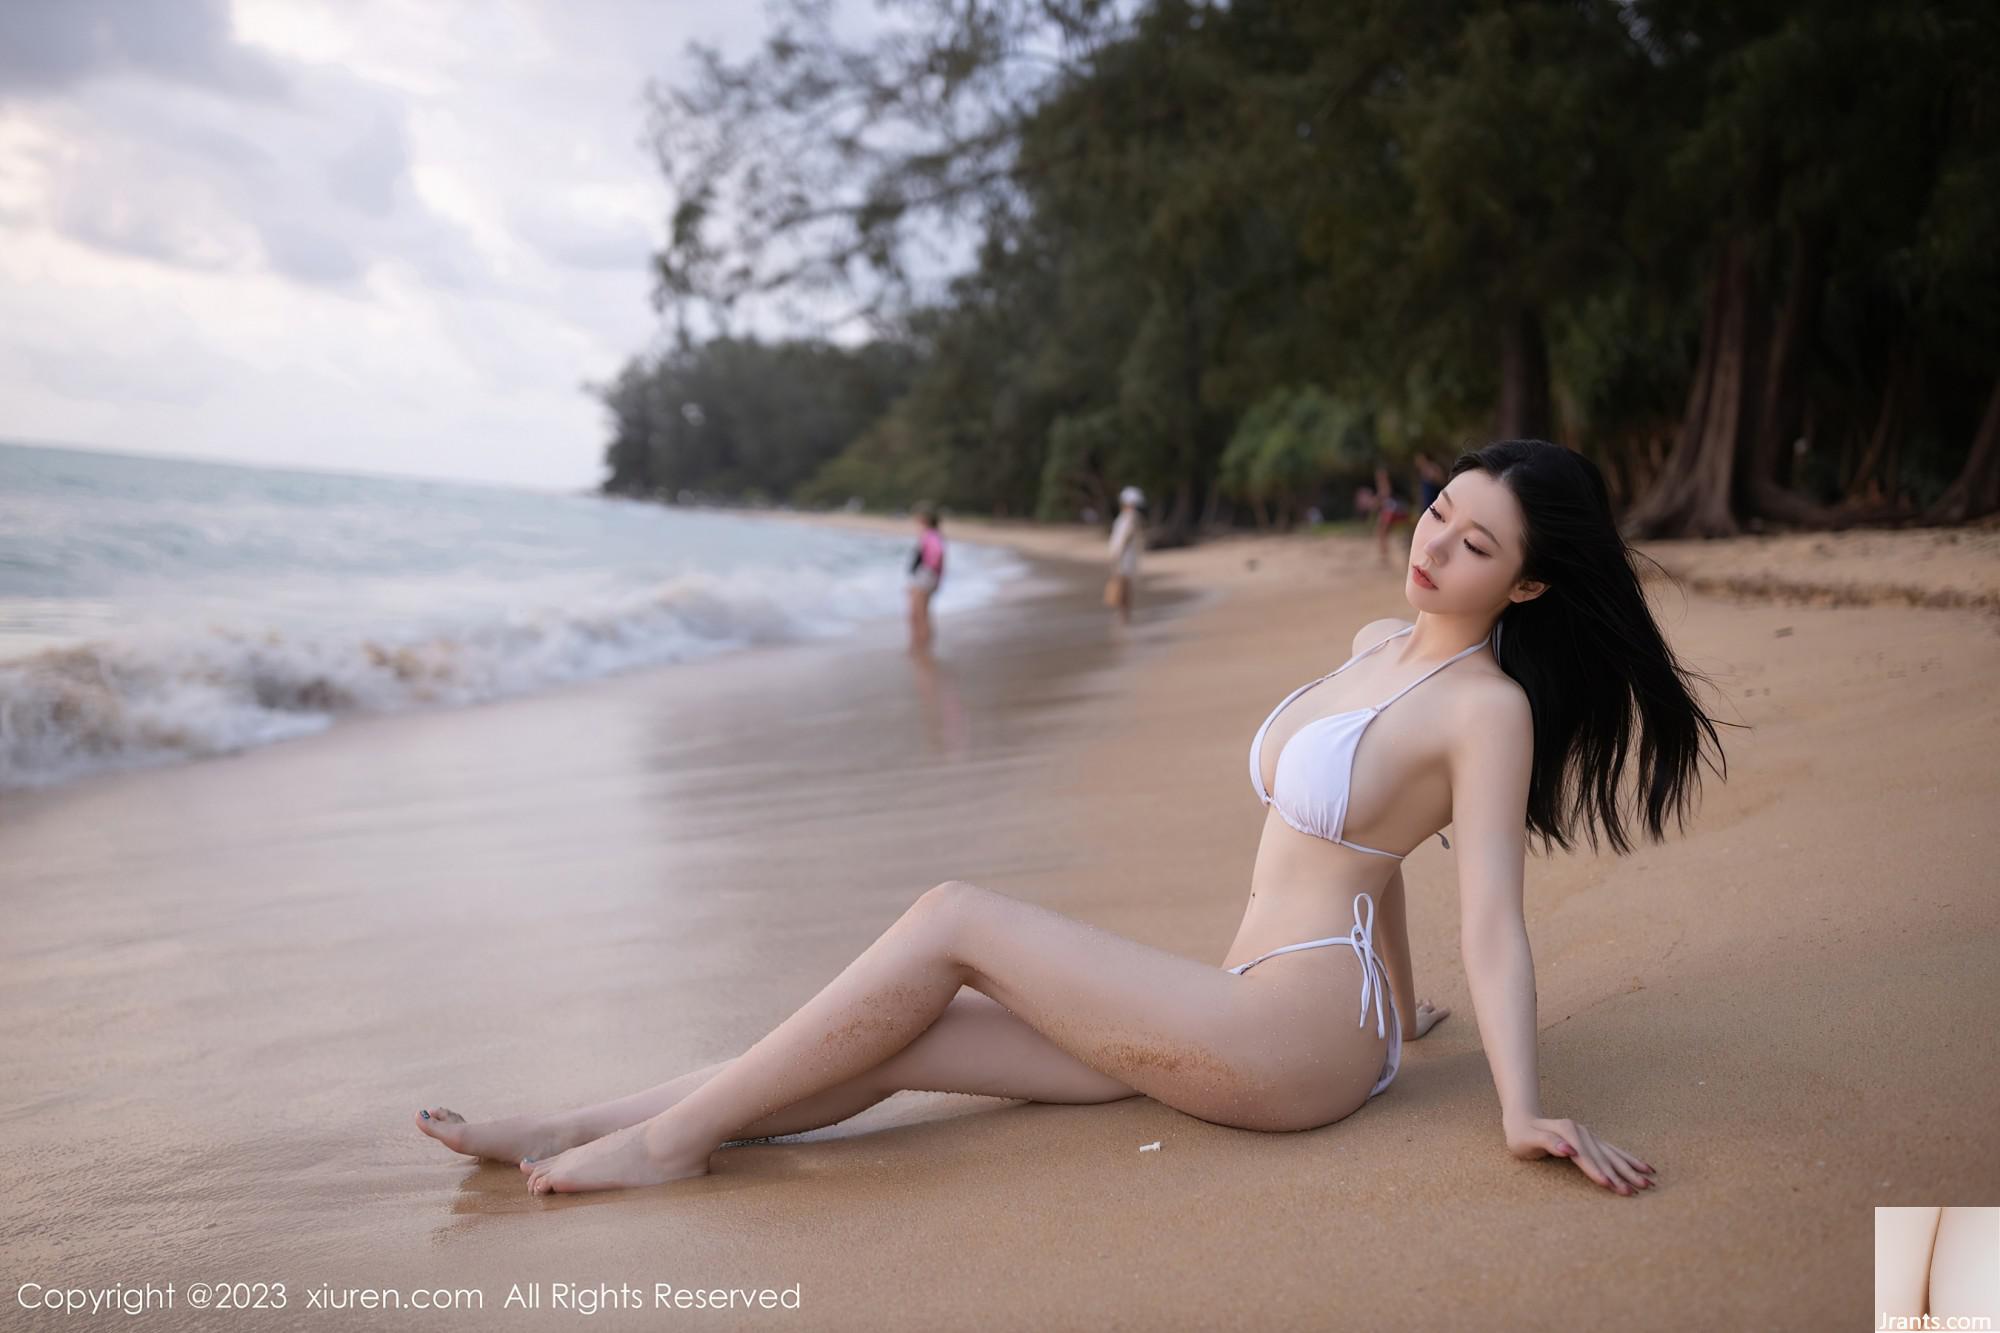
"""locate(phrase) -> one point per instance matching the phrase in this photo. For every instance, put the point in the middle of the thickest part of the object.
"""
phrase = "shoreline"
(100, 706)
(1954, 568)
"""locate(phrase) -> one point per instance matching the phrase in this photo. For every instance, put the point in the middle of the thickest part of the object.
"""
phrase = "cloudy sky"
(359, 235)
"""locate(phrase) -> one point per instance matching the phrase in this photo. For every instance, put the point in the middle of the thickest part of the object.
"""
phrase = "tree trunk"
(1524, 378)
(1661, 504)
(1643, 462)
(1888, 424)
(1180, 518)
(1783, 401)
(1976, 490)
(1210, 508)
(1176, 529)
(1691, 496)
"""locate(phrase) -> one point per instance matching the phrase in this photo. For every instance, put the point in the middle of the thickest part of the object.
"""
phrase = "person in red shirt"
(1390, 510)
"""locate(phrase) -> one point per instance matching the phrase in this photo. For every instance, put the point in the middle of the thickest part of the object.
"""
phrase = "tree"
(1288, 446)
(1814, 140)
(1739, 253)
(819, 167)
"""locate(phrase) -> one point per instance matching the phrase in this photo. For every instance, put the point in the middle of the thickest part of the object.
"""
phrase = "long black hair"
(1598, 673)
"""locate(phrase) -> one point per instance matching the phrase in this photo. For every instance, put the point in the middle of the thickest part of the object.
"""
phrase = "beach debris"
(1782, 632)
(1154, 1146)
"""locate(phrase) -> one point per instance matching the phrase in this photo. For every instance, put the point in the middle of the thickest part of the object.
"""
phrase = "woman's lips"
(1423, 579)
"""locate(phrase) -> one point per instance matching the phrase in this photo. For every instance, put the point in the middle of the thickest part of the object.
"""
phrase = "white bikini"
(1312, 782)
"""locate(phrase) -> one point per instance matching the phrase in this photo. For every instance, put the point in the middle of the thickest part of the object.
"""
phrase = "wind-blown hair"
(1602, 682)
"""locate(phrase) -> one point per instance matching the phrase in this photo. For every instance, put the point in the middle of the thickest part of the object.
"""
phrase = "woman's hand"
(1427, 1018)
(1611, 1167)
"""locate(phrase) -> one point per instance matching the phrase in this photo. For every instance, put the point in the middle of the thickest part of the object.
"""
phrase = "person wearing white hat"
(1128, 539)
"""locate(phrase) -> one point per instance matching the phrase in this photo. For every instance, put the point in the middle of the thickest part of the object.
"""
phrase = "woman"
(926, 572)
(1390, 510)
(1536, 659)
(1430, 480)
(1128, 539)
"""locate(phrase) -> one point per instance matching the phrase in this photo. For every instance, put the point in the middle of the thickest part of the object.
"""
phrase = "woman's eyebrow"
(1445, 495)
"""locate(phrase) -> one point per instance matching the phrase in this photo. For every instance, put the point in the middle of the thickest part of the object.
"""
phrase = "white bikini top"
(1315, 772)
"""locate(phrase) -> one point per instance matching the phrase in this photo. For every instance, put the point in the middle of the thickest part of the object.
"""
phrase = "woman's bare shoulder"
(1488, 708)
(1375, 631)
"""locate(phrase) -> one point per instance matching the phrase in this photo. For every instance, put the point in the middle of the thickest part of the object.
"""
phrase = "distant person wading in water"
(1543, 685)
(926, 573)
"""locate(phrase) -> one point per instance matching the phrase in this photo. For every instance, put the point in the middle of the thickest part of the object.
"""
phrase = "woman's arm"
(1492, 758)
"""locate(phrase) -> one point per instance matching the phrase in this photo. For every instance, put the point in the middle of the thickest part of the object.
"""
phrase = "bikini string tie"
(1362, 937)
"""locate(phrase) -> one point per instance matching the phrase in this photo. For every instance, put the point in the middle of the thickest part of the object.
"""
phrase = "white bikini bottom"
(1374, 982)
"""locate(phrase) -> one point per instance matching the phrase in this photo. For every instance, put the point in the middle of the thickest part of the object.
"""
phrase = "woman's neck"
(1437, 637)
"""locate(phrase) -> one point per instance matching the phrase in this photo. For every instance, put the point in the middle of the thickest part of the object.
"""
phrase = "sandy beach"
(229, 984)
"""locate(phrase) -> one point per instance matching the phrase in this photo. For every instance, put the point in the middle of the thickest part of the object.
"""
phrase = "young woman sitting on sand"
(1532, 672)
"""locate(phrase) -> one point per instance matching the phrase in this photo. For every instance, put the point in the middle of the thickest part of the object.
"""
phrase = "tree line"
(1740, 253)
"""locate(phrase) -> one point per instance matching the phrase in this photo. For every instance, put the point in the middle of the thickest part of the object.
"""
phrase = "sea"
(155, 610)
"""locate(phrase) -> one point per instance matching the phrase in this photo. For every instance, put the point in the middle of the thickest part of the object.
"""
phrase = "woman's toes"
(444, 1125)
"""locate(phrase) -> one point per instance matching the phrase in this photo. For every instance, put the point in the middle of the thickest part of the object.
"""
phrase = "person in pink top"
(926, 573)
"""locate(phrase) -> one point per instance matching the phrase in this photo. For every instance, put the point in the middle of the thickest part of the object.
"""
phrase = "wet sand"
(229, 984)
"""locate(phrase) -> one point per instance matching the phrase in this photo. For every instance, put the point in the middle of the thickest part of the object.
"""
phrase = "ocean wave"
(161, 697)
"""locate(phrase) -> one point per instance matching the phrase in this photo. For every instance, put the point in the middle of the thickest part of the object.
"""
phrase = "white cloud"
(385, 236)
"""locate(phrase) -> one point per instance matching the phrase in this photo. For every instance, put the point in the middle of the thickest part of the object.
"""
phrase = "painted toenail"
(425, 1114)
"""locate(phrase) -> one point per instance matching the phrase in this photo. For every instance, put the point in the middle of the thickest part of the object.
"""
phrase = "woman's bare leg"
(1178, 1030)
(515, 1137)
(975, 1047)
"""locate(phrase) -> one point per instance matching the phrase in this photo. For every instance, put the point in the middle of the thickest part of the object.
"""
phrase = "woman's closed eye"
(1433, 512)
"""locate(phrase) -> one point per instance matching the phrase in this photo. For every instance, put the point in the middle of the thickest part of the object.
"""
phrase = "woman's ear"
(1527, 590)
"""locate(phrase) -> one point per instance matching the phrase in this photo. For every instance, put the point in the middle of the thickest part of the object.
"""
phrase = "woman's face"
(1469, 546)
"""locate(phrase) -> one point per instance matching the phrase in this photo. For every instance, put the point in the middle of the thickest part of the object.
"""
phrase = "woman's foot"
(623, 1159)
(509, 1140)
